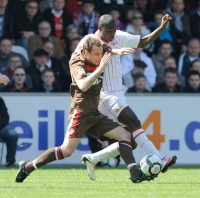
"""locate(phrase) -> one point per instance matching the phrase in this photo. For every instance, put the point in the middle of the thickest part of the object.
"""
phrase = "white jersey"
(113, 73)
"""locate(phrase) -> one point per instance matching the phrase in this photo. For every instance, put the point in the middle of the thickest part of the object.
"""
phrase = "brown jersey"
(88, 100)
(84, 116)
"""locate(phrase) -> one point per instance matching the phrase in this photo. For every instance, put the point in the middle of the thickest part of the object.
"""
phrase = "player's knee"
(126, 136)
(134, 145)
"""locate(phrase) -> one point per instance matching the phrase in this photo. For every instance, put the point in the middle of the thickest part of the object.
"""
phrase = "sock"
(48, 156)
(109, 152)
(125, 149)
(146, 145)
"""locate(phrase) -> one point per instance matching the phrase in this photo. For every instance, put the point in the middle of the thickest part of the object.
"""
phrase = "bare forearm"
(85, 83)
(144, 41)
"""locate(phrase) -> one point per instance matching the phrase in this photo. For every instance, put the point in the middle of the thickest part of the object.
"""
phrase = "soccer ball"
(151, 165)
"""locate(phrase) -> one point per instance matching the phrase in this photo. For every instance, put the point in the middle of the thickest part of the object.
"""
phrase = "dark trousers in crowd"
(10, 137)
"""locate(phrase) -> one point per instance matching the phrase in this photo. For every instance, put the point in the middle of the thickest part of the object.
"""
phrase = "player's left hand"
(123, 51)
(4, 79)
(165, 21)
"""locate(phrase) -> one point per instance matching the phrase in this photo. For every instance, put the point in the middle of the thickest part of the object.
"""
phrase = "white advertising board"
(171, 122)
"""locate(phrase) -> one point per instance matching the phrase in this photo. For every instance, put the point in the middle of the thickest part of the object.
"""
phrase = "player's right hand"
(104, 60)
(4, 79)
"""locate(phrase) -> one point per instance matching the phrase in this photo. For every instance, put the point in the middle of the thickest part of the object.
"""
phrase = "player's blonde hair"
(89, 42)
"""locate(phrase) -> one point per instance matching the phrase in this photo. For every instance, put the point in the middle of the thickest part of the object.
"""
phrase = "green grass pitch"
(69, 182)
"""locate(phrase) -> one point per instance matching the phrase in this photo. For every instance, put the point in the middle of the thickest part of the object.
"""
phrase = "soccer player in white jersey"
(112, 100)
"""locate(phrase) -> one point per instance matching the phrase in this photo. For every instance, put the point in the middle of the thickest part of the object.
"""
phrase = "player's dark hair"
(106, 20)
(89, 42)
(170, 70)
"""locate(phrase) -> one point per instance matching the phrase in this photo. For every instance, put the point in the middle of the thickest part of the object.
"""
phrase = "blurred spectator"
(14, 61)
(104, 6)
(38, 65)
(128, 79)
(35, 42)
(62, 80)
(71, 33)
(5, 52)
(171, 62)
(115, 13)
(195, 66)
(6, 21)
(127, 63)
(73, 6)
(27, 24)
(164, 51)
(195, 22)
(65, 59)
(87, 20)
(47, 85)
(193, 53)
(159, 5)
(44, 4)
(139, 84)
(166, 33)
(18, 84)
(193, 82)
(58, 17)
(136, 26)
(128, 15)
(143, 6)
(8, 135)
(170, 84)
(180, 24)
(191, 5)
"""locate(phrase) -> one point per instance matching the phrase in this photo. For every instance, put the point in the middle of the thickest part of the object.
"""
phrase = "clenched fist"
(4, 79)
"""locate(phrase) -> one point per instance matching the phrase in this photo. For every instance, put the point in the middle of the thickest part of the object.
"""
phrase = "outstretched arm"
(144, 41)
(122, 51)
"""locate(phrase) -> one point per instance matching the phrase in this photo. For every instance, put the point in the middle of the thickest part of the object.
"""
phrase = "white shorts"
(111, 104)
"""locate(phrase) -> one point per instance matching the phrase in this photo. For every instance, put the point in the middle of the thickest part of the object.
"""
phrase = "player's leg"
(109, 152)
(128, 117)
(50, 155)
(125, 149)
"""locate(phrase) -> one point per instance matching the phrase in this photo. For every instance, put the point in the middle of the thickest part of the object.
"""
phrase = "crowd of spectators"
(37, 38)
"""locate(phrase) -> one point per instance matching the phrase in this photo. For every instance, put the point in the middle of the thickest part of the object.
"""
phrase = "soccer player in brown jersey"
(87, 74)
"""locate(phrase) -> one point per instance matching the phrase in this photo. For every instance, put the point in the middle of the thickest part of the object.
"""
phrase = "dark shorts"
(89, 122)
